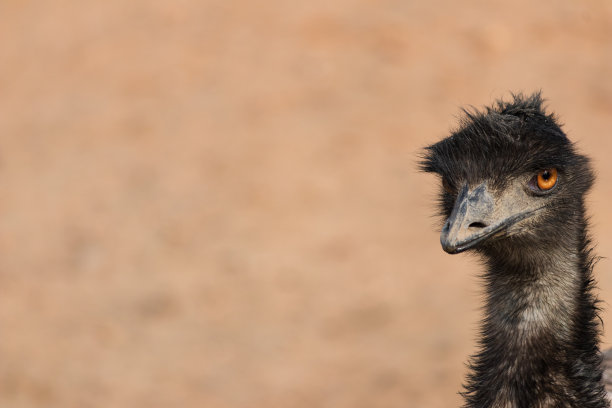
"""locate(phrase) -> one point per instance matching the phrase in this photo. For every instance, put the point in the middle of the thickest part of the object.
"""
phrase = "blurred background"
(216, 203)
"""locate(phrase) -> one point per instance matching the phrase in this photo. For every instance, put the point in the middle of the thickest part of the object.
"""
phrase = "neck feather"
(540, 333)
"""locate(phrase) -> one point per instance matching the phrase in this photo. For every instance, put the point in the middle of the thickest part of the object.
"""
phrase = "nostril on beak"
(477, 225)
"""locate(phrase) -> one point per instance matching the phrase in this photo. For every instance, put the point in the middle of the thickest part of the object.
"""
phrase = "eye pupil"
(547, 179)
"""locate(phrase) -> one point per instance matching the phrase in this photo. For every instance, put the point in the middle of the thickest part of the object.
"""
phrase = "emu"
(512, 191)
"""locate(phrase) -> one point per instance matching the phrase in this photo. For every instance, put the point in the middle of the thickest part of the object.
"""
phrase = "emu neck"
(540, 333)
(535, 296)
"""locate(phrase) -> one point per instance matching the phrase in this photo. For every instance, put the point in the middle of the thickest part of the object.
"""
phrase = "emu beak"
(477, 215)
(471, 220)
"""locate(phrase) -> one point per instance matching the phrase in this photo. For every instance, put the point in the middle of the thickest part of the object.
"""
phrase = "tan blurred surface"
(215, 204)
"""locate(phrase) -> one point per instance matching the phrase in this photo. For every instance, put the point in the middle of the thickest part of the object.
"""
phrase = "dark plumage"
(540, 334)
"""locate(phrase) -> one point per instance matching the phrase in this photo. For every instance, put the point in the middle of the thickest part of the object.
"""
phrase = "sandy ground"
(215, 203)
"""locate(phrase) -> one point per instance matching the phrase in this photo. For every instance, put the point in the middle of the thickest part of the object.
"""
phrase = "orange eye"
(547, 179)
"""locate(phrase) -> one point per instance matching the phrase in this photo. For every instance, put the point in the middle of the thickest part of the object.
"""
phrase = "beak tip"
(450, 249)
(447, 245)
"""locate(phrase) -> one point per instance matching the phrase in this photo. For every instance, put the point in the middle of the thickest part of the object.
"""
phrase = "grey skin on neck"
(538, 337)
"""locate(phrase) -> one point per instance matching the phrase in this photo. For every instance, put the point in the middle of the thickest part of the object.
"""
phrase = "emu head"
(509, 177)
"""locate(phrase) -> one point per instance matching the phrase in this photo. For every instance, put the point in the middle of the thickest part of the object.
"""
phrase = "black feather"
(540, 334)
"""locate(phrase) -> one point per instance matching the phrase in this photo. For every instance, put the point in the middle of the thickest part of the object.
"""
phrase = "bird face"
(481, 212)
(508, 175)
